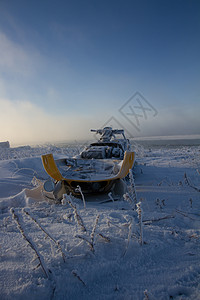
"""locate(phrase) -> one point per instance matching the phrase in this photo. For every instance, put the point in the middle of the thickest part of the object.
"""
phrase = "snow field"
(106, 260)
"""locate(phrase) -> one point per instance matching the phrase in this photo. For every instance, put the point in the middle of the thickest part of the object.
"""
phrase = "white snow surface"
(103, 251)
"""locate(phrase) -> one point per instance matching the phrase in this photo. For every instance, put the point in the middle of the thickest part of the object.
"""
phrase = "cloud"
(15, 59)
(169, 121)
(22, 122)
(173, 121)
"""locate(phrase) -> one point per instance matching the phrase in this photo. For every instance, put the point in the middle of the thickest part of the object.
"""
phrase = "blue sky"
(68, 66)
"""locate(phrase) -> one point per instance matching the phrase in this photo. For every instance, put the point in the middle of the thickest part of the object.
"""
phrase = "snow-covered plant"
(93, 231)
(163, 202)
(35, 181)
(77, 216)
(84, 238)
(131, 187)
(90, 239)
(31, 243)
(111, 197)
(64, 200)
(189, 183)
(146, 296)
(131, 196)
(129, 200)
(158, 203)
(130, 229)
(186, 179)
(74, 272)
(78, 189)
(140, 217)
(57, 243)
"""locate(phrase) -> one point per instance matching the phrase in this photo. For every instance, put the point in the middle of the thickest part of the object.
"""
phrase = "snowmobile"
(108, 146)
(96, 170)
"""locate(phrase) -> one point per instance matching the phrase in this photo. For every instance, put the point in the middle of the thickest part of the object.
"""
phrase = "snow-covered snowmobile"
(111, 145)
(96, 169)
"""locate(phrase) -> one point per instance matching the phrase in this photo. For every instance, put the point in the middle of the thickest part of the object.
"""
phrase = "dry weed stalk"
(94, 230)
(131, 187)
(139, 211)
(38, 256)
(184, 214)
(47, 234)
(87, 241)
(146, 295)
(189, 184)
(35, 181)
(111, 197)
(130, 226)
(92, 235)
(80, 191)
(109, 222)
(186, 179)
(159, 219)
(107, 239)
(158, 203)
(131, 196)
(78, 277)
(129, 200)
(77, 217)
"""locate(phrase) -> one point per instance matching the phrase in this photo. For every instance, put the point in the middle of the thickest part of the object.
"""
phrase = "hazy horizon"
(91, 138)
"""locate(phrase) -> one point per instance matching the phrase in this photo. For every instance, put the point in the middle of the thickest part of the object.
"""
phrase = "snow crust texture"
(148, 248)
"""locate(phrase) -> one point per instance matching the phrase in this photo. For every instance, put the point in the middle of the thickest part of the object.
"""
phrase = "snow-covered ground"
(104, 251)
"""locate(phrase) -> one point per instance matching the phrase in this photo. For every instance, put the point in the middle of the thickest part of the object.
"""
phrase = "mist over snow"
(24, 122)
(172, 121)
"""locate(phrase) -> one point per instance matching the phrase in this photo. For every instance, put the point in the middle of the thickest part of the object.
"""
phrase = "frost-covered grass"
(145, 248)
